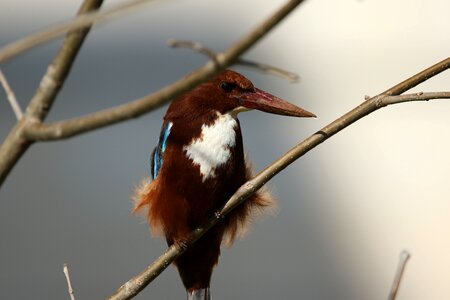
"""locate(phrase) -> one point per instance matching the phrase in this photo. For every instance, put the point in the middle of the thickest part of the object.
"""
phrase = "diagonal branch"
(81, 21)
(58, 70)
(419, 78)
(69, 283)
(140, 281)
(402, 261)
(11, 96)
(136, 108)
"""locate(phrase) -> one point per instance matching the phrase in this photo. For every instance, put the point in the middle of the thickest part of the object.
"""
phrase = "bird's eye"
(227, 86)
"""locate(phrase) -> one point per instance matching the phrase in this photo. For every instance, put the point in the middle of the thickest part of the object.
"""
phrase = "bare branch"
(11, 96)
(418, 78)
(415, 97)
(140, 281)
(193, 46)
(403, 259)
(69, 284)
(268, 69)
(136, 108)
(15, 143)
(87, 19)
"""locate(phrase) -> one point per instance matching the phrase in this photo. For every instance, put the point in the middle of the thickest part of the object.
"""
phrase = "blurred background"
(346, 209)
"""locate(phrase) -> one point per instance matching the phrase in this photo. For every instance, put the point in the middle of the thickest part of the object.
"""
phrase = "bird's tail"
(200, 294)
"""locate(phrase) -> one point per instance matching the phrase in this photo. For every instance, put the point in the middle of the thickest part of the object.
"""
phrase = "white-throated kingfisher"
(197, 166)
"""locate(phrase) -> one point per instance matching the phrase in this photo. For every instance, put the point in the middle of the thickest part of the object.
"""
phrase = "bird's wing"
(156, 158)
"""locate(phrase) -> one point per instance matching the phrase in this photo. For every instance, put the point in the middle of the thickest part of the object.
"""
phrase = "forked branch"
(15, 144)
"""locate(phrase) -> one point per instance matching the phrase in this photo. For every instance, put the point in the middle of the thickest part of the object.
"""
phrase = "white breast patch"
(212, 148)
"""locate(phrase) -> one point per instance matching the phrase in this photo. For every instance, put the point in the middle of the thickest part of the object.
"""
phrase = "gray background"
(346, 209)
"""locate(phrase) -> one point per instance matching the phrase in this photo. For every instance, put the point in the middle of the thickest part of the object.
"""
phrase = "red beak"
(264, 101)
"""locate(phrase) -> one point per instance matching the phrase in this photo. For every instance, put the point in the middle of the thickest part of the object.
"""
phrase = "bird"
(197, 166)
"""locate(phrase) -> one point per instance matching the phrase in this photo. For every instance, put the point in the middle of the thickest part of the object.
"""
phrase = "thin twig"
(69, 284)
(11, 96)
(193, 46)
(140, 281)
(415, 97)
(268, 69)
(402, 261)
(13, 49)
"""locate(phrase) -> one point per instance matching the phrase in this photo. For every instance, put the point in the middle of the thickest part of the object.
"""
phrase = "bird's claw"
(218, 215)
(182, 244)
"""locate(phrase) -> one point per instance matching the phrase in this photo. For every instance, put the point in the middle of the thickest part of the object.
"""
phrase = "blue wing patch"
(156, 158)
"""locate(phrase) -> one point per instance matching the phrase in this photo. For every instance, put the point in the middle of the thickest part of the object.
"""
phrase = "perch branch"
(136, 108)
(81, 21)
(16, 143)
(402, 261)
(69, 284)
(268, 69)
(140, 281)
(11, 96)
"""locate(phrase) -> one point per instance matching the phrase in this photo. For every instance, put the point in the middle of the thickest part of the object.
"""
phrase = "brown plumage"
(165, 212)
(198, 165)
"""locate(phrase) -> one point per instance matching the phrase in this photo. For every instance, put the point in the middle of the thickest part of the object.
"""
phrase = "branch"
(83, 20)
(415, 97)
(402, 261)
(140, 281)
(15, 143)
(11, 96)
(69, 284)
(265, 68)
(193, 46)
(136, 108)
(268, 69)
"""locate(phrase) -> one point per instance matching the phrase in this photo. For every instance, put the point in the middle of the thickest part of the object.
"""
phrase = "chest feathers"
(212, 148)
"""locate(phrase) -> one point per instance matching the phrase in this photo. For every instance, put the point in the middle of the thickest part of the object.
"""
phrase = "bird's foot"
(182, 243)
(219, 215)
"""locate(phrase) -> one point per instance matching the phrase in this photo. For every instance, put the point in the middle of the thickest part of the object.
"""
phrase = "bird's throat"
(213, 147)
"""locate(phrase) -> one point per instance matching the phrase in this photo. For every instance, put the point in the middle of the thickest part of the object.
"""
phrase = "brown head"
(230, 92)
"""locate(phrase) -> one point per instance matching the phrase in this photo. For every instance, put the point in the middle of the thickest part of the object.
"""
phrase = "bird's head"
(230, 92)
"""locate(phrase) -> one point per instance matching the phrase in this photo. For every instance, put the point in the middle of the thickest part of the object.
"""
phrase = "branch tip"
(69, 284)
(402, 261)
(271, 70)
(10, 95)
